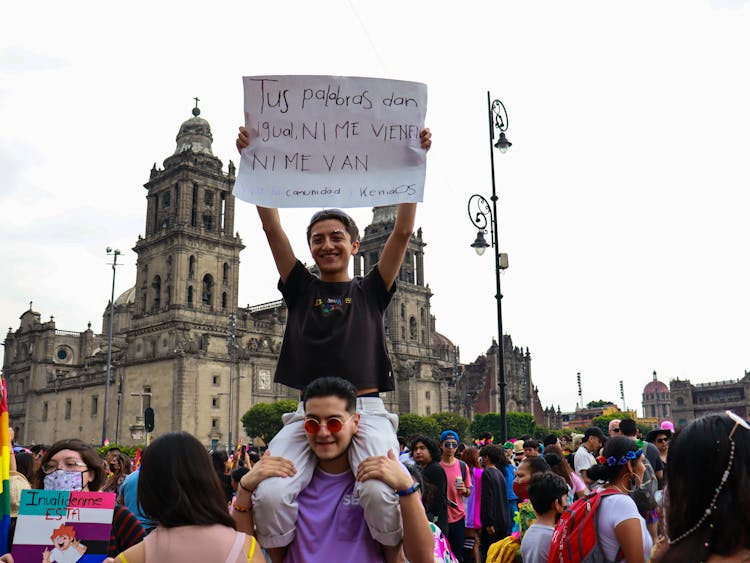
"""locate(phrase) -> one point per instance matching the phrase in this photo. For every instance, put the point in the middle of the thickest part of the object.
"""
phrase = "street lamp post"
(482, 215)
(114, 253)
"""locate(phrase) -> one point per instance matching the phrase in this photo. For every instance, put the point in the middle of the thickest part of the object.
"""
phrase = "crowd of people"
(337, 484)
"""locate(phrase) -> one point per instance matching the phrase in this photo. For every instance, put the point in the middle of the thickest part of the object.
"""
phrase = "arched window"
(412, 328)
(225, 274)
(191, 267)
(157, 293)
(224, 300)
(208, 288)
(190, 296)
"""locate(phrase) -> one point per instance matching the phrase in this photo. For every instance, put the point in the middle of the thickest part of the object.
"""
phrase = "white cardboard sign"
(332, 141)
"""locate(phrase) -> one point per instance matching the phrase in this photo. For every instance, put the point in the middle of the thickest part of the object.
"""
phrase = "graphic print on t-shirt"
(330, 304)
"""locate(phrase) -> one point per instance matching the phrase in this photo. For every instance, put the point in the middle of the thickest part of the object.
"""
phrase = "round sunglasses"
(333, 424)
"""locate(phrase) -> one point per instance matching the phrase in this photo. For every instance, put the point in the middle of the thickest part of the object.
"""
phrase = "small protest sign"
(331, 141)
(63, 527)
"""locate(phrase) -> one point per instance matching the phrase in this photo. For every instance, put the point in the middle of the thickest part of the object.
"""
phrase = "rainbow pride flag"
(4, 470)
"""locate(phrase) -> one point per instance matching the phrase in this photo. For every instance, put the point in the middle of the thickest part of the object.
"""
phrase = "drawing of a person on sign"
(67, 548)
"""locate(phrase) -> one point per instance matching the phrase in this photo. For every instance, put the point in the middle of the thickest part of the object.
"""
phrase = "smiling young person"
(334, 326)
(331, 523)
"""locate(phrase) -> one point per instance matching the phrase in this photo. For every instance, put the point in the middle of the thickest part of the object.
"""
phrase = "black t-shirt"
(335, 329)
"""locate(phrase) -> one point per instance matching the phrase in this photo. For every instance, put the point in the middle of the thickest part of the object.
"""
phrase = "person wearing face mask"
(548, 493)
(73, 465)
(119, 468)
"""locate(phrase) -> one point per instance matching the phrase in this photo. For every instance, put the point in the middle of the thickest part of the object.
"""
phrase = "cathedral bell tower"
(188, 261)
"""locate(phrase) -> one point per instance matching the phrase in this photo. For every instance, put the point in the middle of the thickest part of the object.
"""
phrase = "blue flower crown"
(611, 461)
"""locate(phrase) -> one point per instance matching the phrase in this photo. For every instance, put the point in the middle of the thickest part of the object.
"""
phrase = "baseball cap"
(593, 431)
(446, 434)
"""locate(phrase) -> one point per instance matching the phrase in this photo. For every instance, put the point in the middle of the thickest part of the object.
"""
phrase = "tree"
(598, 404)
(264, 419)
(452, 421)
(410, 424)
(519, 424)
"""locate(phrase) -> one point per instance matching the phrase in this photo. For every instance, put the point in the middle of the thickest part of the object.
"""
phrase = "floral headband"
(611, 461)
(483, 442)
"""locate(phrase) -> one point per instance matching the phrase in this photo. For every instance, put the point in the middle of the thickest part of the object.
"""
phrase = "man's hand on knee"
(268, 466)
(386, 469)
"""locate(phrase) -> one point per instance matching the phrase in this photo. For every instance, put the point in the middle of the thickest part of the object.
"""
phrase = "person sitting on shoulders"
(334, 325)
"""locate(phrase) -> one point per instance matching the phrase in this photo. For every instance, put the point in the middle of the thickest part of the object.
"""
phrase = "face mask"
(61, 480)
(521, 489)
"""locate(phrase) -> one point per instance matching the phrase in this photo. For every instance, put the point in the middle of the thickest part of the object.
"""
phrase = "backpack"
(464, 469)
(575, 539)
(649, 486)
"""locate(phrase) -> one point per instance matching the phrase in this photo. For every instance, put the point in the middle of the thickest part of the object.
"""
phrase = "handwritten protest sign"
(329, 141)
(63, 527)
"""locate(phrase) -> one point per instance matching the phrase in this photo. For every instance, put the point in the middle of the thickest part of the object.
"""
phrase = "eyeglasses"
(737, 422)
(334, 424)
(68, 464)
(450, 444)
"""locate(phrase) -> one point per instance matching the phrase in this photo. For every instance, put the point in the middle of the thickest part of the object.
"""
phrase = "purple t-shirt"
(331, 523)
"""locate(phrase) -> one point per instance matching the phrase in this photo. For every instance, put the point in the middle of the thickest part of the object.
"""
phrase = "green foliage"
(519, 423)
(264, 419)
(452, 421)
(410, 424)
(598, 404)
(541, 432)
(127, 450)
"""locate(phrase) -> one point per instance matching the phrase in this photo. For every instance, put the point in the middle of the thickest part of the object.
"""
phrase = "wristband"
(238, 508)
(406, 492)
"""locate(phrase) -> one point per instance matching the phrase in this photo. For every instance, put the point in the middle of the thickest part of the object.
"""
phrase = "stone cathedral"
(181, 344)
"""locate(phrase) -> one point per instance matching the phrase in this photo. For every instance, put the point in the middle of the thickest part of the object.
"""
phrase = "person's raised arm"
(395, 247)
(281, 249)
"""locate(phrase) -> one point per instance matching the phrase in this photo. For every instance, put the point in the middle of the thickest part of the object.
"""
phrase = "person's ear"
(355, 247)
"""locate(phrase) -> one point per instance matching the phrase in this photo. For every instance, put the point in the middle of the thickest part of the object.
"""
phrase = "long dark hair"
(178, 485)
(697, 459)
(616, 447)
(554, 457)
(89, 455)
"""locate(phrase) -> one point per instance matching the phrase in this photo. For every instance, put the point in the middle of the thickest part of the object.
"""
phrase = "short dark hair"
(544, 489)
(531, 444)
(549, 440)
(178, 485)
(493, 453)
(89, 455)
(429, 443)
(36, 448)
(628, 427)
(238, 473)
(25, 464)
(536, 464)
(323, 215)
(327, 386)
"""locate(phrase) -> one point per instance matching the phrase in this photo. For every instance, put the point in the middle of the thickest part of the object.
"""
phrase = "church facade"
(180, 343)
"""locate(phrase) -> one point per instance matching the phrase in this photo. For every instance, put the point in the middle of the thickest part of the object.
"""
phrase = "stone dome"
(655, 386)
(195, 135)
(126, 298)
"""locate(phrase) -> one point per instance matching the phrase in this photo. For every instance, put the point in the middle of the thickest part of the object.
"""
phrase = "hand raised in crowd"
(386, 469)
(268, 466)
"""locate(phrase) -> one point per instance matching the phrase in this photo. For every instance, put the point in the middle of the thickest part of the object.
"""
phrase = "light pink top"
(207, 544)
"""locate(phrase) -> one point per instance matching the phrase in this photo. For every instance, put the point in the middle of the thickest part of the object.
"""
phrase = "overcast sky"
(623, 200)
